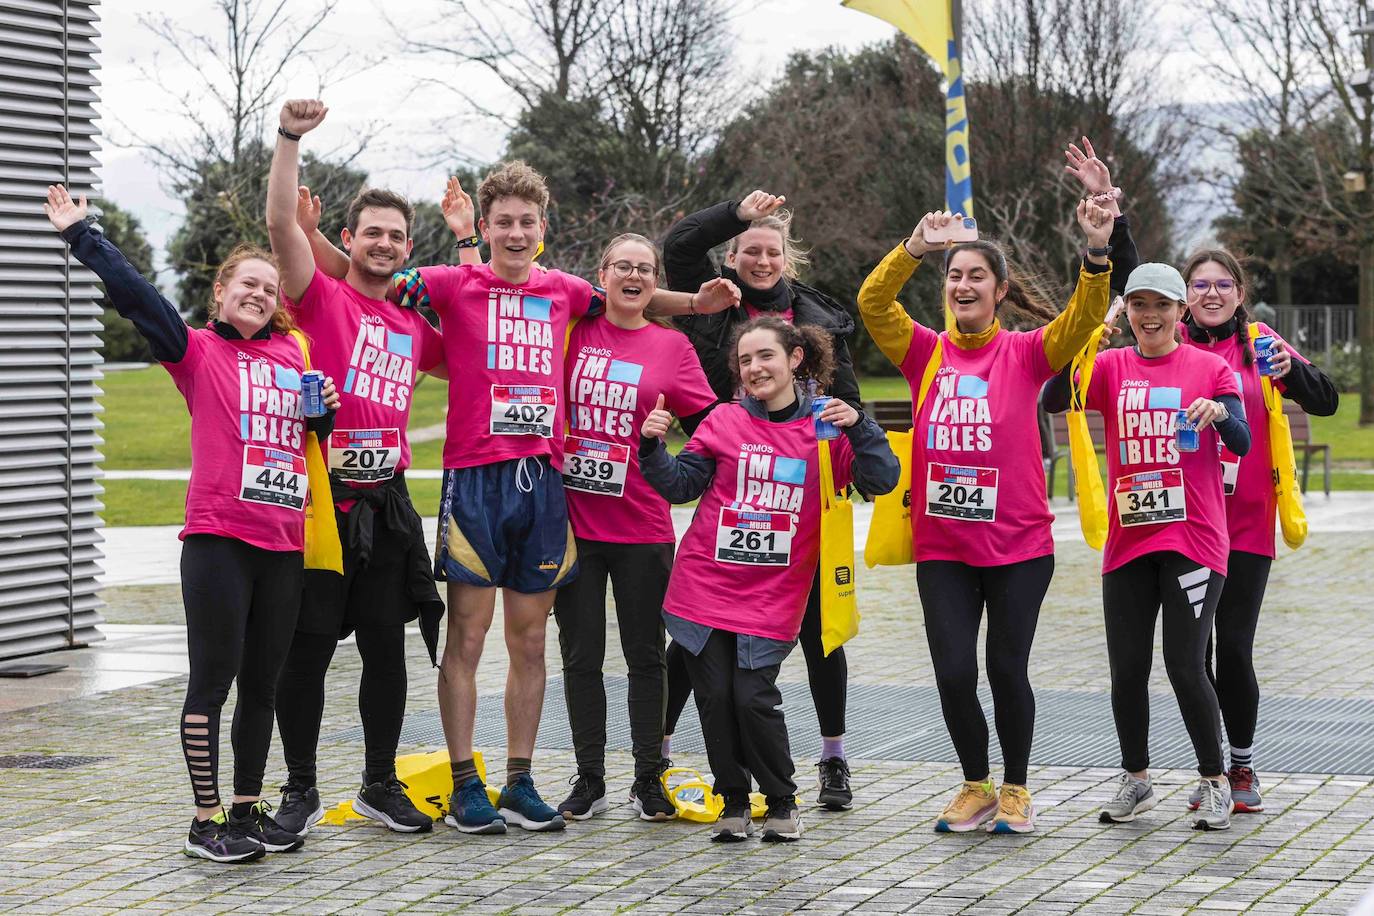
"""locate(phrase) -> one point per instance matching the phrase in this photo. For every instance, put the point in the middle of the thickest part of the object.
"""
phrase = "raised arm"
(1071, 330)
(687, 246)
(887, 322)
(130, 292)
(461, 217)
(291, 245)
(330, 259)
(1096, 178)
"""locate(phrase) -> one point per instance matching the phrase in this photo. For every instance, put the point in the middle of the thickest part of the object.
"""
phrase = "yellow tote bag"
(1283, 465)
(322, 547)
(889, 531)
(839, 604)
(1092, 499)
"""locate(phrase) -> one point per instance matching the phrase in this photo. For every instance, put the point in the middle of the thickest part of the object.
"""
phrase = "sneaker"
(834, 794)
(783, 822)
(1132, 797)
(646, 795)
(974, 804)
(1015, 812)
(386, 801)
(218, 841)
(1214, 813)
(300, 809)
(1245, 790)
(1195, 797)
(587, 798)
(470, 810)
(261, 826)
(735, 822)
(521, 805)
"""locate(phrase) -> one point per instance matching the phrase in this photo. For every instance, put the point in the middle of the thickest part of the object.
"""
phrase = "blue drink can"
(312, 391)
(1264, 352)
(1186, 432)
(824, 428)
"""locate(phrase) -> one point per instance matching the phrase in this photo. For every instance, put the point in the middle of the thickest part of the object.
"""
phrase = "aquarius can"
(824, 428)
(1185, 431)
(312, 391)
(1265, 351)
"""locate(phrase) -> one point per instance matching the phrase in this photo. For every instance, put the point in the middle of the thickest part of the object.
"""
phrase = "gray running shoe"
(1195, 798)
(735, 823)
(1132, 797)
(783, 823)
(1214, 813)
(1245, 790)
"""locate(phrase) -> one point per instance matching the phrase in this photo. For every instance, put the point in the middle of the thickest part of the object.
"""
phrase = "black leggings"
(828, 675)
(953, 596)
(241, 605)
(1238, 611)
(1131, 597)
(639, 577)
(381, 699)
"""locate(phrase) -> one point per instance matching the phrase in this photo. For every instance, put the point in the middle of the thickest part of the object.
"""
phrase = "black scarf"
(777, 299)
(1221, 332)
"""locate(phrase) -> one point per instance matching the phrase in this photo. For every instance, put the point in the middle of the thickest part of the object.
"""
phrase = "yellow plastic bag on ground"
(693, 799)
(322, 547)
(889, 530)
(839, 604)
(428, 780)
(1283, 466)
(1087, 481)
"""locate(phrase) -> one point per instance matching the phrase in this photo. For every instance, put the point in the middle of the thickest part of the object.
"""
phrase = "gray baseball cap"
(1157, 278)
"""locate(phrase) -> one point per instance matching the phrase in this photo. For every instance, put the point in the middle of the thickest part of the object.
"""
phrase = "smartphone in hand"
(964, 229)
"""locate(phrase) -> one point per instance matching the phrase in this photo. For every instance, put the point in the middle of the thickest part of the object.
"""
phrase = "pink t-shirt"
(1159, 498)
(248, 476)
(372, 349)
(978, 481)
(504, 344)
(1251, 508)
(746, 563)
(614, 379)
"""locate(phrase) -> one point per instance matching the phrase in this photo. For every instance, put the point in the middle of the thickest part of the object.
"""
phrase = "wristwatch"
(1099, 252)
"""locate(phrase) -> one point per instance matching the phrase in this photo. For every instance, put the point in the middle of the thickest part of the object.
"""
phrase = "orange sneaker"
(1015, 812)
(974, 804)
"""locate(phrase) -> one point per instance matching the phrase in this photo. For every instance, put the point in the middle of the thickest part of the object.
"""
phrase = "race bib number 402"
(523, 410)
(963, 493)
(364, 454)
(1151, 498)
(754, 537)
(594, 466)
(274, 477)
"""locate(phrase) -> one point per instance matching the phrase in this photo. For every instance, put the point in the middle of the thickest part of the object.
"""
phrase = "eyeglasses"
(1200, 287)
(623, 269)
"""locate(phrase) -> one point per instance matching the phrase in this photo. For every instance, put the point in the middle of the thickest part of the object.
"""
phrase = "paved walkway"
(105, 834)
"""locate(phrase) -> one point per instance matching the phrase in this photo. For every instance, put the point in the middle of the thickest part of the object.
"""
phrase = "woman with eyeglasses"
(620, 366)
(1218, 321)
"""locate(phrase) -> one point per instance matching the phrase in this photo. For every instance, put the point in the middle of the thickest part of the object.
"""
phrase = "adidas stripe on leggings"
(241, 606)
(1132, 596)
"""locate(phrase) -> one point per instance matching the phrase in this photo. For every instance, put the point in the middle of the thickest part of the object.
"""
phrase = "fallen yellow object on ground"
(428, 779)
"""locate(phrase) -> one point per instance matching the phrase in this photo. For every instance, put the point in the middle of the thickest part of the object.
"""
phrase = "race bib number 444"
(1151, 498)
(594, 466)
(523, 410)
(754, 537)
(963, 493)
(364, 454)
(274, 477)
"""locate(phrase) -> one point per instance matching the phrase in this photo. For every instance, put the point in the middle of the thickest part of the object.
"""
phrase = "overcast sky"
(418, 117)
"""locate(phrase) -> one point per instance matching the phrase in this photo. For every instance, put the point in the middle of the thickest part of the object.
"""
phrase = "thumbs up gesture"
(657, 422)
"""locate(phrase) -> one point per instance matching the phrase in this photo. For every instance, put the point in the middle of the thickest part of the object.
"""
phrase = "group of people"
(557, 479)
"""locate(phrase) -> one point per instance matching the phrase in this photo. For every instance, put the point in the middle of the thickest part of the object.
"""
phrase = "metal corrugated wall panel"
(49, 319)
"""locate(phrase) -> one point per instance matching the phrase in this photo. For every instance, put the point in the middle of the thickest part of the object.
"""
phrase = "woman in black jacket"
(763, 260)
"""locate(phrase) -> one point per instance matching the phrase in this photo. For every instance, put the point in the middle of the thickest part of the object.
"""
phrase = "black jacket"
(686, 251)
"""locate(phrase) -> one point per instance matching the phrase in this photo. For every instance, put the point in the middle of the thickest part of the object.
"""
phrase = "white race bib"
(1151, 498)
(594, 466)
(754, 537)
(523, 410)
(1230, 473)
(364, 454)
(965, 493)
(274, 477)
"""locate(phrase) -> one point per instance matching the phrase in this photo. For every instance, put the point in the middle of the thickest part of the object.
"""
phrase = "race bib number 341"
(754, 537)
(364, 454)
(274, 477)
(594, 466)
(963, 493)
(523, 410)
(1151, 498)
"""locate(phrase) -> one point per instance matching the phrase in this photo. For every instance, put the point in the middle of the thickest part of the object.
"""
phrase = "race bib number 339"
(364, 454)
(963, 493)
(594, 466)
(274, 477)
(523, 410)
(1151, 498)
(754, 537)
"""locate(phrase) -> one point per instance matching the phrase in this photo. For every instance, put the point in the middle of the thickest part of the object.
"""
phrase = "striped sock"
(515, 766)
(462, 771)
(1241, 756)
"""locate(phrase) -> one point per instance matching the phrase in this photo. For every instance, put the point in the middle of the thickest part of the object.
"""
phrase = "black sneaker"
(261, 826)
(588, 797)
(386, 801)
(646, 795)
(834, 794)
(217, 841)
(300, 809)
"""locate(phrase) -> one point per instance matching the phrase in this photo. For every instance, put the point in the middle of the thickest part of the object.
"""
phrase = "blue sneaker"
(522, 806)
(470, 810)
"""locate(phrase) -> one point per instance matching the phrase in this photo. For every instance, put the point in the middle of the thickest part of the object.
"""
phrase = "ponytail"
(818, 353)
(1026, 296)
